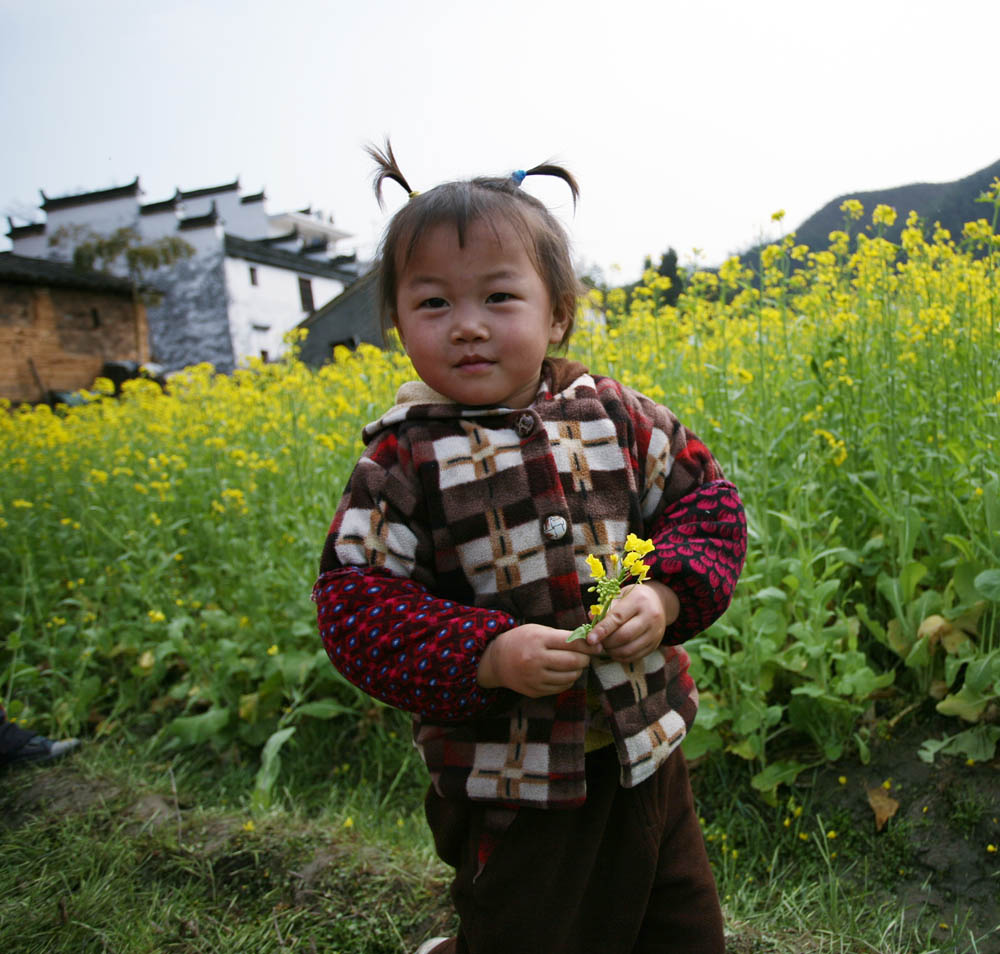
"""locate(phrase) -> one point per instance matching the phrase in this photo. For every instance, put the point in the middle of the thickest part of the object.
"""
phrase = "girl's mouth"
(474, 362)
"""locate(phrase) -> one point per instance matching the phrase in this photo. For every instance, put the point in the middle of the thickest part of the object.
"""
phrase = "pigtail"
(548, 169)
(388, 168)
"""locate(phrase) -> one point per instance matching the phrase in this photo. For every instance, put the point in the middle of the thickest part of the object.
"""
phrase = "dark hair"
(465, 202)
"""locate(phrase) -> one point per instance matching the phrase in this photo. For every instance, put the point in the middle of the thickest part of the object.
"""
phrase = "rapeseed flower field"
(158, 549)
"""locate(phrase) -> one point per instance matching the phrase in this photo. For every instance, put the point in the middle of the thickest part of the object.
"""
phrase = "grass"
(119, 849)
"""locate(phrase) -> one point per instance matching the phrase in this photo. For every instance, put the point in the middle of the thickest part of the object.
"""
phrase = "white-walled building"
(252, 278)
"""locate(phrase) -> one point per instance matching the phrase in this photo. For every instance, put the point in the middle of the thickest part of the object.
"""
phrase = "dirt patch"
(56, 791)
(941, 842)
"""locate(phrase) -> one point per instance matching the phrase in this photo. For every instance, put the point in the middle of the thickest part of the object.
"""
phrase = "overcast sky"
(686, 123)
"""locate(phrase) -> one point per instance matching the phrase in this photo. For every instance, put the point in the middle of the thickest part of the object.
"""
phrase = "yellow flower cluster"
(607, 587)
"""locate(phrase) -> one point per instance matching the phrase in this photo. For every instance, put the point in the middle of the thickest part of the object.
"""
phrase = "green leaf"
(270, 766)
(967, 704)
(920, 654)
(978, 743)
(324, 709)
(700, 741)
(777, 773)
(194, 730)
(912, 574)
(824, 592)
(771, 593)
(874, 627)
(988, 584)
(983, 672)
(964, 580)
(748, 748)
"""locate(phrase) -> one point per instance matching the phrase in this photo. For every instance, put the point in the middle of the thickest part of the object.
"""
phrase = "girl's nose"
(468, 325)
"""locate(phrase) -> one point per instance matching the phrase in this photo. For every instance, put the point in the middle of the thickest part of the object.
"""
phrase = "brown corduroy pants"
(626, 873)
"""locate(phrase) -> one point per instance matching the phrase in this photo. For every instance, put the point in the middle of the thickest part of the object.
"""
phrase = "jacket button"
(555, 527)
(525, 425)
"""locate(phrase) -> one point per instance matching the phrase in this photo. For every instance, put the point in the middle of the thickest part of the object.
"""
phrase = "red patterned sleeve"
(693, 515)
(700, 545)
(395, 641)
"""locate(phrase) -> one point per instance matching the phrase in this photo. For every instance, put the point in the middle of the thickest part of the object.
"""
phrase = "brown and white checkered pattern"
(460, 500)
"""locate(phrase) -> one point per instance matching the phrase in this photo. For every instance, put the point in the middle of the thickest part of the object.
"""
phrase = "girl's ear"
(561, 319)
(394, 315)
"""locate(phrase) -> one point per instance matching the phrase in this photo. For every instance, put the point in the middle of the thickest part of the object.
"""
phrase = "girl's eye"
(433, 303)
(498, 297)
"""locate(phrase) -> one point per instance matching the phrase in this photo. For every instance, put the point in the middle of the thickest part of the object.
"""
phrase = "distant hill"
(950, 203)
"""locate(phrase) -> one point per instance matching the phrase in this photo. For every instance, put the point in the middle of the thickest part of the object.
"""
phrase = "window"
(95, 318)
(253, 275)
(306, 294)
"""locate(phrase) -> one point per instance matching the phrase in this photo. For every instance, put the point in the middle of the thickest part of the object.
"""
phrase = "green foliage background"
(158, 551)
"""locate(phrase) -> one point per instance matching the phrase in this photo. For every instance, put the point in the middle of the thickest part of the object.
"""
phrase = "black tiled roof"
(266, 255)
(24, 231)
(42, 271)
(211, 217)
(86, 198)
(167, 205)
(211, 190)
(256, 197)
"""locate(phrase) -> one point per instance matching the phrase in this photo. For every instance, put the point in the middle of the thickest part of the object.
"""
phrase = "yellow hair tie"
(414, 194)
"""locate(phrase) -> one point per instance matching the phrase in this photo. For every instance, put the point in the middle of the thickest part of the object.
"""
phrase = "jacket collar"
(414, 399)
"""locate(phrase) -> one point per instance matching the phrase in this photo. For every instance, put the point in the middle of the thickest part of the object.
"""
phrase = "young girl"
(456, 567)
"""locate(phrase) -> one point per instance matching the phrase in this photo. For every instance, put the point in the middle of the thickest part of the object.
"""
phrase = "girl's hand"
(636, 622)
(534, 661)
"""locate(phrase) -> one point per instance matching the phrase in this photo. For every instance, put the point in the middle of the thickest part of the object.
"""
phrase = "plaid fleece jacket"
(460, 523)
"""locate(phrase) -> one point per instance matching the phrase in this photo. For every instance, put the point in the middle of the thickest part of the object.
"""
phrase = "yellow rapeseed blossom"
(884, 215)
(596, 567)
(853, 208)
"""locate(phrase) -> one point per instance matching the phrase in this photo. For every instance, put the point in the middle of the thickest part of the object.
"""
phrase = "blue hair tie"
(518, 176)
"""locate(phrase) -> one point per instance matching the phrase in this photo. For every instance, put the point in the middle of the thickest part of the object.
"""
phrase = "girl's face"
(476, 321)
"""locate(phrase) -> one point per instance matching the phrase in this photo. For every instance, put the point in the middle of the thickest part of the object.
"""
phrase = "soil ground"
(948, 811)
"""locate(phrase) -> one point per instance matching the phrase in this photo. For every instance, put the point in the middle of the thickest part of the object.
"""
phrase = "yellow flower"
(596, 567)
(155, 616)
(853, 208)
(272, 650)
(634, 545)
(640, 572)
(249, 825)
(884, 215)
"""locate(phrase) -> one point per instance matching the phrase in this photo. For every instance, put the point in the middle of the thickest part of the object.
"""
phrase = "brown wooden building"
(58, 327)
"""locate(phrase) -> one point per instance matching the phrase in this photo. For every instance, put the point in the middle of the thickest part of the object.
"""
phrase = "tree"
(667, 268)
(93, 252)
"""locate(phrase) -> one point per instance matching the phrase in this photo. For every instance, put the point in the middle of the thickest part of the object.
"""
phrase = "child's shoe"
(428, 947)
